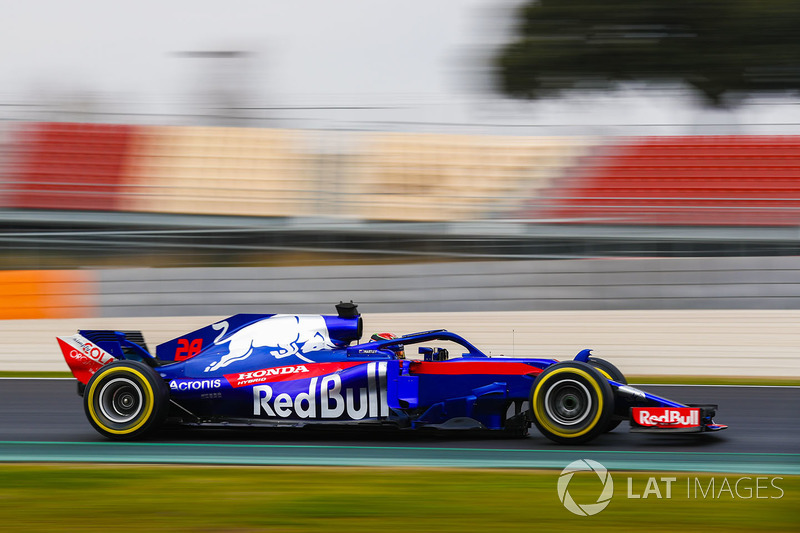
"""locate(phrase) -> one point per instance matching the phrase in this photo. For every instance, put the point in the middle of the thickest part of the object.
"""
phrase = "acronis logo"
(194, 384)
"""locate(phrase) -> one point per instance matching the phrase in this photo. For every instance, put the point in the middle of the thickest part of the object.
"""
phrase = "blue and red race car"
(297, 370)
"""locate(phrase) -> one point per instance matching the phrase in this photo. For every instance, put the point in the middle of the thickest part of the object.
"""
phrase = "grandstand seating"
(67, 166)
(676, 180)
(686, 180)
(219, 171)
(423, 177)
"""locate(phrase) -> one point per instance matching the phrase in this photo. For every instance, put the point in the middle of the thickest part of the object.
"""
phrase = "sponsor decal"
(264, 375)
(326, 399)
(287, 335)
(667, 417)
(79, 360)
(91, 351)
(84, 358)
(285, 373)
(195, 384)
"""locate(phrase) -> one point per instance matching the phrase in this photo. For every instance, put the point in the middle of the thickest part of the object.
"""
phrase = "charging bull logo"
(287, 334)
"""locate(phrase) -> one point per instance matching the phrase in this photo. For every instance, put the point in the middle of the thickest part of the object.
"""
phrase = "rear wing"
(89, 350)
(120, 344)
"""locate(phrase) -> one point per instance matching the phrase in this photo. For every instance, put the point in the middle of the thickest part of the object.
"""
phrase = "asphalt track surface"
(761, 420)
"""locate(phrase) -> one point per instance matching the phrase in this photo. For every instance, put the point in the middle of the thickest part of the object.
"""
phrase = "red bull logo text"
(327, 399)
(673, 417)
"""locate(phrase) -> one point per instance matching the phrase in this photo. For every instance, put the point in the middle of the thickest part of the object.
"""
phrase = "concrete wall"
(675, 283)
(719, 316)
(654, 342)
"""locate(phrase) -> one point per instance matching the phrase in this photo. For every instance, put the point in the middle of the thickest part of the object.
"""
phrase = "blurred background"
(544, 174)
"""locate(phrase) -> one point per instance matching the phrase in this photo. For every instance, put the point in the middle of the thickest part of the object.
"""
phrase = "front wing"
(648, 413)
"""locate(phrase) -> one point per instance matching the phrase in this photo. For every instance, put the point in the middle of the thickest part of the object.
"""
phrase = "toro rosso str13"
(297, 370)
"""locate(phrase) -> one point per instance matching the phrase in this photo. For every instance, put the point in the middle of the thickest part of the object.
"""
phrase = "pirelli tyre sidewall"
(608, 370)
(611, 372)
(125, 400)
(571, 402)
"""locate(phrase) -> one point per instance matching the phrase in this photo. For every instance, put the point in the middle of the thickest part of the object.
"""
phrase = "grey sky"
(305, 46)
(415, 56)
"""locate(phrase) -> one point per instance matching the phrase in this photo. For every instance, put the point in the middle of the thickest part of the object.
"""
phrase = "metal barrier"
(679, 283)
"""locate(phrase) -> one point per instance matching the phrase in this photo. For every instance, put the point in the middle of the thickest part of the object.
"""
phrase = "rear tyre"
(571, 402)
(125, 400)
(611, 372)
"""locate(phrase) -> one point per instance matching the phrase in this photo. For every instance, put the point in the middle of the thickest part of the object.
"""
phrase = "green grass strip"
(26, 374)
(713, 380)
(165, 498)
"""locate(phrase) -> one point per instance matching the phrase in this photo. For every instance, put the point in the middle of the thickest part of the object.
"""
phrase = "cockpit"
(397, 347)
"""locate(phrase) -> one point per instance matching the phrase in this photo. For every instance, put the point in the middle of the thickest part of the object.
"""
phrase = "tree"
(720, 48)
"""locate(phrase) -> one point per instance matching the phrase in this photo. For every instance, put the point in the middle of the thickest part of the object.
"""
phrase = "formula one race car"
(297, 370)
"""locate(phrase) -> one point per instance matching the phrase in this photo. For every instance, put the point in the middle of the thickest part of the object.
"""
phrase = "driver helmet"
(396, 348)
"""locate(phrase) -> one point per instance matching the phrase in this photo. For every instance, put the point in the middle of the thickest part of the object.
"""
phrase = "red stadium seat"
(69, 166)
(686, 180)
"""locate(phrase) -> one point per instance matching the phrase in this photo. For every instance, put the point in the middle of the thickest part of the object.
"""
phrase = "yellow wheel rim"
(148, 400)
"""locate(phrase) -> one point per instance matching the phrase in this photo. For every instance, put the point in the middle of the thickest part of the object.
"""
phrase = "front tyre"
(125, 400)
(608, 370)
(611, 372)
(571, 402)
